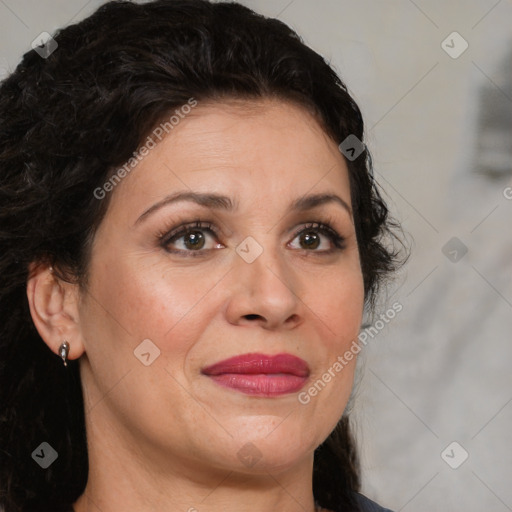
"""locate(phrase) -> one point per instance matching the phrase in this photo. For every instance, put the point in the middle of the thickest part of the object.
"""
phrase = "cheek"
(136, 300)
(337, 306)
(129, 302)
(337, 302)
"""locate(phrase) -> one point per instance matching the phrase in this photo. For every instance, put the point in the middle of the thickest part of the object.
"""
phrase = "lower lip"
(261, 384)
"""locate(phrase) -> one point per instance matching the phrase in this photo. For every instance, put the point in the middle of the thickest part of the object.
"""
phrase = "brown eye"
(319, 238)
(194, 240)
(310, 240)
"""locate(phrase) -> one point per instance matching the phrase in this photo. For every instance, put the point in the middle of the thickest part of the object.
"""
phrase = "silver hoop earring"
(64, 351)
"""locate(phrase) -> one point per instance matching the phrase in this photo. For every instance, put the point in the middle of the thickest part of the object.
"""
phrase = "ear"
(54, 309)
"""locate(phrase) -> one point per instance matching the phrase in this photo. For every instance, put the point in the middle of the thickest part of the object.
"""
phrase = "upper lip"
(255, 363)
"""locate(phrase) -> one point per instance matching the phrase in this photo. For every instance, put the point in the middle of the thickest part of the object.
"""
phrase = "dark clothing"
(367, 505)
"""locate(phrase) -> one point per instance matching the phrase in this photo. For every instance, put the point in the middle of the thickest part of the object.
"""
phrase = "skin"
(164, 436)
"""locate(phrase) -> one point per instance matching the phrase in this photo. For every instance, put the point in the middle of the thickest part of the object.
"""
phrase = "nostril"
(252, 317)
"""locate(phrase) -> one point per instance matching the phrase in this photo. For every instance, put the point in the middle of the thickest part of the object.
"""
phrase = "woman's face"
(254, 275)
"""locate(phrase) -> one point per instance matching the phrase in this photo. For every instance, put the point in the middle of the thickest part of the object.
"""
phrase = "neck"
(120, 478)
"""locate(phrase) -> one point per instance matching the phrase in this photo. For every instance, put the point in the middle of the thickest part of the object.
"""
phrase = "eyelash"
(169, 235)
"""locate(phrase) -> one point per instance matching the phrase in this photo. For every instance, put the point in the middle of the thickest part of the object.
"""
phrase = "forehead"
(259, 130)
(252, 149)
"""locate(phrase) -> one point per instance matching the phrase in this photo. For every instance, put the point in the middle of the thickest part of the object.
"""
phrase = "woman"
(190, 235)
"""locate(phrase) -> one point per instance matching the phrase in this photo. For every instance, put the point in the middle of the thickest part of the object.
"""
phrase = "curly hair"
(66, 123)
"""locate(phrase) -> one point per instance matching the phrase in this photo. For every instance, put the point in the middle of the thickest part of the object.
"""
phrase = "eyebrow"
(220, 202)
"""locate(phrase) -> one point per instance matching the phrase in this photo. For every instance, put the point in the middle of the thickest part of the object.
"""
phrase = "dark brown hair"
(66, 123)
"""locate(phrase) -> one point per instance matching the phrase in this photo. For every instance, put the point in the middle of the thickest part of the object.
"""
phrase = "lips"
(259, 374)
(251, 364)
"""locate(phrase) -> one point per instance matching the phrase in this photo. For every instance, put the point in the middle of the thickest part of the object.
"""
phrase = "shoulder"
(367, 505)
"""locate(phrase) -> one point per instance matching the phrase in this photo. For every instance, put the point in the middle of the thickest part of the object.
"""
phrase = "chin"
(271, 446)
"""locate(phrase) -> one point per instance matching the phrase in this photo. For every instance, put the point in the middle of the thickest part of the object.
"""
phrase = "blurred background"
(433, 412)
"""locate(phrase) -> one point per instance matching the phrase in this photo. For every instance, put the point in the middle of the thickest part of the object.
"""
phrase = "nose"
(264, 292)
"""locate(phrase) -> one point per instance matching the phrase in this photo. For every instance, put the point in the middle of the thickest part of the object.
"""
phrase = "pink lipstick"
(259, 374)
